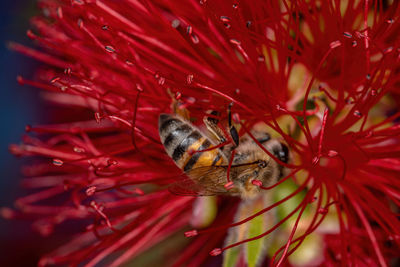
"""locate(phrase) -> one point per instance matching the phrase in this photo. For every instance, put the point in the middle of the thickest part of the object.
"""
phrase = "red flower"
(321, 75)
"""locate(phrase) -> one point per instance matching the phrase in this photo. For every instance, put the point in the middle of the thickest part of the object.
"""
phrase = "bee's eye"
(262, 164)
(281, 152)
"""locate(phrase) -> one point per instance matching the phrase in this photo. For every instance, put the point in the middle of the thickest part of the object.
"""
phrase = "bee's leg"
(178, 108)
(212, 126)
(232, 129)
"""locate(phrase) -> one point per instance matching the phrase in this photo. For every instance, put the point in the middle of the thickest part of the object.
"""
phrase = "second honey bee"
(207, 168)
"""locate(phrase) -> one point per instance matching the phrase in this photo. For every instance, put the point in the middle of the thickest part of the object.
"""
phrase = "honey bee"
(207, 168)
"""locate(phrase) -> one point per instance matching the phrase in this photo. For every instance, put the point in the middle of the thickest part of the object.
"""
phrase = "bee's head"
(260, 168)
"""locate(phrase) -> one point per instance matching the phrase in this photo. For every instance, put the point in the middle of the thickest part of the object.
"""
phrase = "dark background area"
(20, 105)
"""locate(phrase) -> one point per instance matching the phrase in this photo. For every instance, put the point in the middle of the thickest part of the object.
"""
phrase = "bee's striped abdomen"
(179, 137)
(191, 162)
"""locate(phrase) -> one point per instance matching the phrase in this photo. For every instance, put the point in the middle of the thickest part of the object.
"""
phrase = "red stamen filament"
(312, 226)
(229, 166)
(225, 96)
(278, 183)
(102, 214)
(218, 228)
(283, 257)
(266, 151)
(321, 136)
(311, 83)
(113, 117)
(370, 233)
(302, 205)
(212, 148)
(134, 120)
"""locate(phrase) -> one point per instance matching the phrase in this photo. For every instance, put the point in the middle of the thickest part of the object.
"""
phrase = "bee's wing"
(202, 181)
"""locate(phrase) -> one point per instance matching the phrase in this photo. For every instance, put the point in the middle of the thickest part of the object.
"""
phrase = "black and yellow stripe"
(179, 137)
